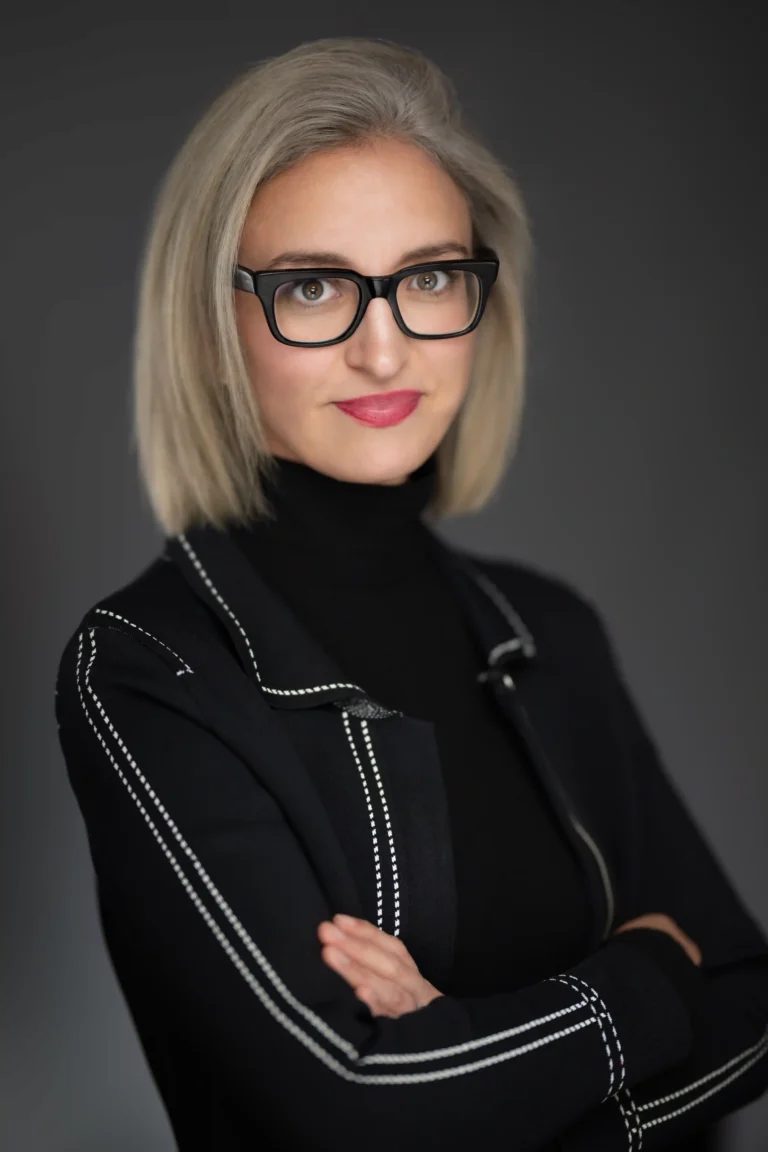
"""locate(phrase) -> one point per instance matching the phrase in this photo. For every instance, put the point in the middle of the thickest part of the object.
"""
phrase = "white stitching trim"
(755, 1052)
(262, 994)
(371, 817)
(209, 583)
(390, 837)
(566, 978)
(412, 1058)
(218, 898)
(610, 1021)
(125, 620)
(628, 1123)
(632, 1121)
(703, 1079)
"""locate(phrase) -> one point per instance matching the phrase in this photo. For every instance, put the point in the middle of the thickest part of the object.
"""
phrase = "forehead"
(369, 202)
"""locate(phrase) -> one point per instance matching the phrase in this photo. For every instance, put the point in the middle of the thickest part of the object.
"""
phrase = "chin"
(370, 468)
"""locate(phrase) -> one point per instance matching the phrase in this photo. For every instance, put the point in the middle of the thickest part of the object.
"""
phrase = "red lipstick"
(380, 409)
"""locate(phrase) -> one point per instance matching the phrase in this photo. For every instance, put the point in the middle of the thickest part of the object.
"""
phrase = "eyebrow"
(304, 259)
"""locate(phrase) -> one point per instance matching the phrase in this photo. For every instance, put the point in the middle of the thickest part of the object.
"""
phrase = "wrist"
(670, 956)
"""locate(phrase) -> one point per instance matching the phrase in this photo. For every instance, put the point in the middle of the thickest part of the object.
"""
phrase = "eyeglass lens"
(433, 302)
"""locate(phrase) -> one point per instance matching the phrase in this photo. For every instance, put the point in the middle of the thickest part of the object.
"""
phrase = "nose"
(378, 347)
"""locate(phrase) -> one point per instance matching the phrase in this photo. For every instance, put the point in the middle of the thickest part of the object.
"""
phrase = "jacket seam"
(569, 980)
(633, 1125)
(185, 668)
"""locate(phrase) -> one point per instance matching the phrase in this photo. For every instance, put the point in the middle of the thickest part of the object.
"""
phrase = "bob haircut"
(201, 443)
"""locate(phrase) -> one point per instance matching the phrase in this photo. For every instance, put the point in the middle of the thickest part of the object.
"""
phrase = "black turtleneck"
(354, 562)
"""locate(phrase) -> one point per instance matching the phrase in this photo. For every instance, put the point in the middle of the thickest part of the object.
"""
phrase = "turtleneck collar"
(339, 530)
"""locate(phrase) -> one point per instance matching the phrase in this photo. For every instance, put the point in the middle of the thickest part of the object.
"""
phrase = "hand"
(379, 967)
(661, 921)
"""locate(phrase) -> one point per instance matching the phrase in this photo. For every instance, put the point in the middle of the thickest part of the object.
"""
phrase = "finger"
(384, 999)
(354, 969)
(369, 948)
(335, 958)
(365, 930)
(376, 992)
(359, 976)
(383, 963)
(340, 958)
(355, 929)
(369, 997)
(375, 1004)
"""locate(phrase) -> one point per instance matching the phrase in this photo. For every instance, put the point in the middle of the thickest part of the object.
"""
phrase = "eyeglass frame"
(485, 265)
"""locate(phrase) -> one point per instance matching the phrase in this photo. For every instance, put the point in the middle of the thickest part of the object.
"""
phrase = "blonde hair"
(201, 444)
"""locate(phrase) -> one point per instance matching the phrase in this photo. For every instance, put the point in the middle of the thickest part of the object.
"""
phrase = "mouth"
(380, 409)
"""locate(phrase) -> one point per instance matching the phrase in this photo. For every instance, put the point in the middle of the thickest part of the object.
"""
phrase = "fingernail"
(345, 921)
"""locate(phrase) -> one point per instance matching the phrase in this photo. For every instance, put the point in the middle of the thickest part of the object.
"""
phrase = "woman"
(310, 706)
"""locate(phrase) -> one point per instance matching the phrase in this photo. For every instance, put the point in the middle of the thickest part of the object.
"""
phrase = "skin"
(384, 976)
(372, 204)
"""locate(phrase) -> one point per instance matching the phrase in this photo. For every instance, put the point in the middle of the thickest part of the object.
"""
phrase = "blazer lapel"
(377, 771)
(275, 649)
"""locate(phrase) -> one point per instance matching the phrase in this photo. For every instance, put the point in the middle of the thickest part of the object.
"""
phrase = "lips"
(383, 408)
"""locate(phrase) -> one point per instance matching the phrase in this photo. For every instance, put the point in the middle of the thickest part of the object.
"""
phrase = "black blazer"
(236, 791)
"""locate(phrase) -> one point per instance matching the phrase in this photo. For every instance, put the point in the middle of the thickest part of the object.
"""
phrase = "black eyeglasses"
(314, 307)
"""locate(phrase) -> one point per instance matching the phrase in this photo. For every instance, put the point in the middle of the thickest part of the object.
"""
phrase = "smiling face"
(372, 206)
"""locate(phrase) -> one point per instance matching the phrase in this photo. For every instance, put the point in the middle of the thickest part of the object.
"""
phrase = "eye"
(432, 280)
(307, 292)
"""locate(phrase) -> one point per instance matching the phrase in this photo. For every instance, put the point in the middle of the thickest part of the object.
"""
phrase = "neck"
(339, 530)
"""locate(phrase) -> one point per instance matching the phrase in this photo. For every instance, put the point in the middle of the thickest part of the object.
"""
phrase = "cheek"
(283, 378)
(449, 364)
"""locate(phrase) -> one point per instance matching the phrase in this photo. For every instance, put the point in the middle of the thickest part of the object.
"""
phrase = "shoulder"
(554, 609)
(571, 635)
(157, 610)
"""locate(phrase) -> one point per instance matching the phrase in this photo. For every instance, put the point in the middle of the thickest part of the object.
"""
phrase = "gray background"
(636, 132)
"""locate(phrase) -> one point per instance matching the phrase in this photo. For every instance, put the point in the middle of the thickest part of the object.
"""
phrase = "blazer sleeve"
(210, 907)
(671, 868)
